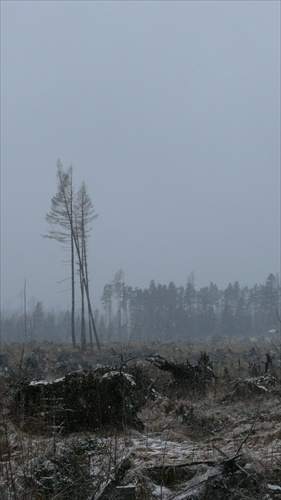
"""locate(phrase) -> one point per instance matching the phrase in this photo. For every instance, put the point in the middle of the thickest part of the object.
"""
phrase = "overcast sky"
(170, 112)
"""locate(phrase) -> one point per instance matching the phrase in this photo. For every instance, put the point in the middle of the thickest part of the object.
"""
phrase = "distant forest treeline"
(159, 313)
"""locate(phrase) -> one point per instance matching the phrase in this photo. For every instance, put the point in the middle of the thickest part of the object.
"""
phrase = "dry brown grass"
(180, 426)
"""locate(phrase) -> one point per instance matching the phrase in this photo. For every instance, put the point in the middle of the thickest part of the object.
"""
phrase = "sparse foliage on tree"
(71, 215)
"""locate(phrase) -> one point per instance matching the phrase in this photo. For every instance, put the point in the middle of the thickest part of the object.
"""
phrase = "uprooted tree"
(70, 215)
(193, 376)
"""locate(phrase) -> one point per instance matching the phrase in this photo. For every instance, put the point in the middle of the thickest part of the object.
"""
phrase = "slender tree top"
(61, 206)
(84, 212)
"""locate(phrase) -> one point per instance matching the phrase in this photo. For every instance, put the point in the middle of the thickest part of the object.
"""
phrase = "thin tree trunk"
(24, 310)
(92, 317)
(86, 287)
(90, 333)
(87, 279)
(72, 296)
(83, 330)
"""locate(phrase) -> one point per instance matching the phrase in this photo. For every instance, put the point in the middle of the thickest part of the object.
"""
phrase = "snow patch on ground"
(46, 382)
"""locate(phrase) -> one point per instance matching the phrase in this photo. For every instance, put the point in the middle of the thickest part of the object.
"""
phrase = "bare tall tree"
(84, 215)
(61, 217)
(71, 214)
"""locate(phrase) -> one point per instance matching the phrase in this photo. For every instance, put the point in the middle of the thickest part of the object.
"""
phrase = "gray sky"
(170, 111)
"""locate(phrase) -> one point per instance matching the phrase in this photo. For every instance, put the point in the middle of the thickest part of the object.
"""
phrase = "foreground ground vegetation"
(169, 421)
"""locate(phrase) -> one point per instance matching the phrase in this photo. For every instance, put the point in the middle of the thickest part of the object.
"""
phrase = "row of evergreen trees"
(159, 313)
(163, 313)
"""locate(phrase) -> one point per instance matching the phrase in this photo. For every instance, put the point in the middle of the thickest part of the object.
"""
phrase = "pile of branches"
(195, 377)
